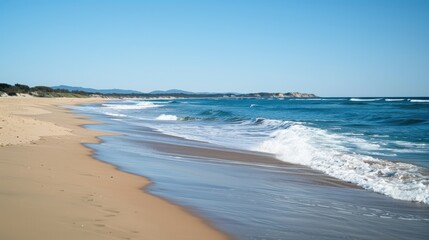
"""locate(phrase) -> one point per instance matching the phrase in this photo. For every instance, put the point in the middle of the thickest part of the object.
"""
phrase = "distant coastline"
(68, 91)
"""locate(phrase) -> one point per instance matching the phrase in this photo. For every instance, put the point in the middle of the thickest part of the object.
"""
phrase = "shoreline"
(182, 147)
(51, 186)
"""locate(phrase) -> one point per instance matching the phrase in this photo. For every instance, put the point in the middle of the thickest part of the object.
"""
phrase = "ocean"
(325, 168)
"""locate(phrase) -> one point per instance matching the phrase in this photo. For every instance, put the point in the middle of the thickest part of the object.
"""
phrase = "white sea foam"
(166, 117)
(253, 105)
(408, 147)
(334, 99)
(394, 99)
(305, 99)
(364, 99)
(411, 145)
(115, 114)
(139, 105)
(326, 152)
(419, 100)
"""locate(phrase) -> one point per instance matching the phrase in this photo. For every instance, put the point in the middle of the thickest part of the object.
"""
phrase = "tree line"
(39, 91)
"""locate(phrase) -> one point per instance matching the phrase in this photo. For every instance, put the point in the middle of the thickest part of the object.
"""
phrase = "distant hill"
(172, 91)
(120, 91)
(178, 91)
(93, 90)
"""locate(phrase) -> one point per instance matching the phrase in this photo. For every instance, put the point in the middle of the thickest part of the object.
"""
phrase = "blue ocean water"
(379, 144)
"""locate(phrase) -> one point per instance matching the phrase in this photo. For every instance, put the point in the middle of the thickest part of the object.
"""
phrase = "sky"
(326, 47)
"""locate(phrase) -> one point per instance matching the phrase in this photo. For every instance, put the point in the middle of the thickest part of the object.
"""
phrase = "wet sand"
(51, 187)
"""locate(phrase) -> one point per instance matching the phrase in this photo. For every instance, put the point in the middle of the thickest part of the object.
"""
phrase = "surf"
(326, 152)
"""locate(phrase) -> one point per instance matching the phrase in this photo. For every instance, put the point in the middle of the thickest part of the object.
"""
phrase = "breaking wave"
(166, 117)
(139, 105)
(273, 123)
(324, 151)
(364, 99)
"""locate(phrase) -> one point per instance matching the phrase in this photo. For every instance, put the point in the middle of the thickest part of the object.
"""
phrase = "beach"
(277, 168)
(95, 168)
(51, 187)
(244, 120)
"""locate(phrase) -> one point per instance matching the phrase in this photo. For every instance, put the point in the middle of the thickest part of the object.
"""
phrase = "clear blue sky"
(331, 48)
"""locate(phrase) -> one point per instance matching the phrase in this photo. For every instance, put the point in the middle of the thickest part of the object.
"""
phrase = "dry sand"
(51, 187)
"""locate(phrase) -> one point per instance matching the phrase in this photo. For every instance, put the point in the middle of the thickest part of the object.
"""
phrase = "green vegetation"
(40, 91)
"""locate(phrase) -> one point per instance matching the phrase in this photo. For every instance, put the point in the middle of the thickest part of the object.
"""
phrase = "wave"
(139, 105)
(254, 105)
(216, 113)
(410, 145)
(326, 152)
(305, 99)
(115, 114)
(364, 99)
(406, 122)
(419, 100)
(273, 123)
(394, 99)
(166, 117)
(334, 99)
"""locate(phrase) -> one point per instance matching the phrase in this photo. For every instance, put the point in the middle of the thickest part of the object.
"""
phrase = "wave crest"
(166, 117)
(140, 105)
(364, 99)
(273, 123)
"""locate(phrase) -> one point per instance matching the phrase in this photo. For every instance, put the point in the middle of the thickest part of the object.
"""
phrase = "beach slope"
(51, 187)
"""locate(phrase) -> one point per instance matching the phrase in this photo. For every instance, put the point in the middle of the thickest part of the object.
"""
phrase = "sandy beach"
(51, 187)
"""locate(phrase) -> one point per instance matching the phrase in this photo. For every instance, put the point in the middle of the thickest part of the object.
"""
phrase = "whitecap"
(166, 117)
(333, 99)
(419, 100)
(364, 99)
